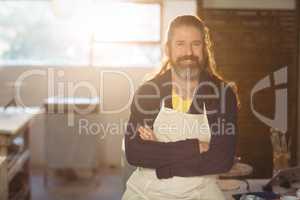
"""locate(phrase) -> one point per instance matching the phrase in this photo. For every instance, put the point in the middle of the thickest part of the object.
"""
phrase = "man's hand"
(203, 146)
(146, 133)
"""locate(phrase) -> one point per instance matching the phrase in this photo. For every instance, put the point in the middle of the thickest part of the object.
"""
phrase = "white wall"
(173, 8)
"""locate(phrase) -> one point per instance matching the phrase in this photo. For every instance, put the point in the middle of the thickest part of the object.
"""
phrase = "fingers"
(146, 133)
(143, 133)
(203, 146)
(150, 133)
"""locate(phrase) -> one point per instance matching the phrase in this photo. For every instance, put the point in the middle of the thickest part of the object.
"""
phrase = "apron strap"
(162, 103)
(204, 108)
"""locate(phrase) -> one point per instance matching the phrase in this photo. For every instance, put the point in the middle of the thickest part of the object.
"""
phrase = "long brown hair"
(209, 59)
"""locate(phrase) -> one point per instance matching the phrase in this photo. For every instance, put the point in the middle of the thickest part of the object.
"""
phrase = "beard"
(187, 67)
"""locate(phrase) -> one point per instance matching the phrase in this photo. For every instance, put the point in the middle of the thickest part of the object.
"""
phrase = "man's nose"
(189, 50)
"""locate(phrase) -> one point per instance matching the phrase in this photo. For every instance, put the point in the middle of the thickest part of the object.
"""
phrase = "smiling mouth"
(188, 61)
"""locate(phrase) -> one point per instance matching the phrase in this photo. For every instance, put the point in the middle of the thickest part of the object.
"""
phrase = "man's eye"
(179, 44)
(197, 44)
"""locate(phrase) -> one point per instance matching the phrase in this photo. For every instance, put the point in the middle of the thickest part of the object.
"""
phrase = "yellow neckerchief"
(179, 104)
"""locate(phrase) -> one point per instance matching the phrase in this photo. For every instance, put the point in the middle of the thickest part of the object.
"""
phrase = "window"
(80, 33)
(119, 43)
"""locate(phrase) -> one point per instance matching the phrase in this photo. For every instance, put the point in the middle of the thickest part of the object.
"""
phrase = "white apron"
(169, 126)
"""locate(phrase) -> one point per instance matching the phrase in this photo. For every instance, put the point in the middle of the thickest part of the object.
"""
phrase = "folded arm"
(220, 156)
(152, 154)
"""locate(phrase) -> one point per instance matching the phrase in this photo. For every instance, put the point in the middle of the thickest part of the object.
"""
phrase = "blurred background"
(55, 54)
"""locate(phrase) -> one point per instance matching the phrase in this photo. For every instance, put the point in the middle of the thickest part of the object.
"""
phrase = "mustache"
(193, 58)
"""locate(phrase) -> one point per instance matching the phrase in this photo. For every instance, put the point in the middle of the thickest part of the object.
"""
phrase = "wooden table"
(14, 123)
(78, 105)
(67, 149)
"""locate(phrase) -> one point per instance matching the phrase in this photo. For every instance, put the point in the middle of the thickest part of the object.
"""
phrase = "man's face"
(186, 52)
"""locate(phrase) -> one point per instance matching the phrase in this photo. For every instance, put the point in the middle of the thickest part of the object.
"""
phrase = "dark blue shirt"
(183, 158)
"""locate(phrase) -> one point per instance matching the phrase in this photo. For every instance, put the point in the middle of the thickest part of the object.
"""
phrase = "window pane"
(30, 34)
(60, 33)
(127, 22)
(126, 55)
